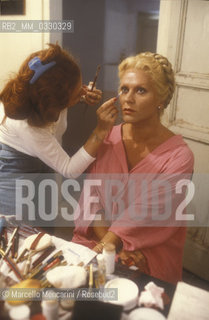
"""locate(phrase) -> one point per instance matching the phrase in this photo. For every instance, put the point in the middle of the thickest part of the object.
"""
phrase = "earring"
(159, 107)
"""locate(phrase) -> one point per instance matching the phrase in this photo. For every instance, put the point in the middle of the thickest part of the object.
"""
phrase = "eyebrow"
(141, 85)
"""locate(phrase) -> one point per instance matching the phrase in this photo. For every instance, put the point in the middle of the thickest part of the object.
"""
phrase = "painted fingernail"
(129, 261)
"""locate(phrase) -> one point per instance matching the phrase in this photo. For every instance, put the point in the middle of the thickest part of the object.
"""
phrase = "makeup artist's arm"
(106, 116)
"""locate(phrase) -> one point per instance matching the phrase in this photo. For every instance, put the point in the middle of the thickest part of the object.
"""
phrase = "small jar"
(50, 309)
(67, 304)
(21, 312)
(109, 257)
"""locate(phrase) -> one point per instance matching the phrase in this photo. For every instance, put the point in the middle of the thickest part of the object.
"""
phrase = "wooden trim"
(200, 81)
(187, 80)
(187, 130)
(189, 133)
(178, 54)
(180, 36)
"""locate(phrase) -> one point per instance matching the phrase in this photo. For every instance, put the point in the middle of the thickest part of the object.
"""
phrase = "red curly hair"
(41, 102)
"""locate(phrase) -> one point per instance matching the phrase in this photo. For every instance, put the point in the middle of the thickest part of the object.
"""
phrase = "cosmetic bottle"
(67, 304)
(50, 309)
(109, 257)
(101, 272)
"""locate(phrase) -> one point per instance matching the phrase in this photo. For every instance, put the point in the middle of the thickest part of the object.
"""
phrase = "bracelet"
(97, 138)
(101, 243)
(100, 246)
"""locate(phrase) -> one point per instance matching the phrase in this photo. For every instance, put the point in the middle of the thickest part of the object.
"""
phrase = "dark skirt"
(20, 177)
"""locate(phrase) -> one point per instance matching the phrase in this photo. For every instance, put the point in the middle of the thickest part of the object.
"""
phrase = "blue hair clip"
(36, 65)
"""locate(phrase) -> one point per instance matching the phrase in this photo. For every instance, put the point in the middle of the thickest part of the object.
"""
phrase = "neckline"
(149, 154)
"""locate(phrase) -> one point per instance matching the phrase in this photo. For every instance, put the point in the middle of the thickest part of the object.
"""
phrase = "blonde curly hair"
(158, 67)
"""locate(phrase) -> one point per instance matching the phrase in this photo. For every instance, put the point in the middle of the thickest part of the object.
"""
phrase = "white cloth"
(152, 296)
(44, 143)
(70, 277)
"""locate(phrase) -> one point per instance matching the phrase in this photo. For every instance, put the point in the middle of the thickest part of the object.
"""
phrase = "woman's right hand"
(106, 116)
(134, 258)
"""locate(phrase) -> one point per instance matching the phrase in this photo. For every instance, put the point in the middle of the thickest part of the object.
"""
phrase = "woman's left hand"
(134, 258)
(91, 97)
(98, 248)
(109, 237)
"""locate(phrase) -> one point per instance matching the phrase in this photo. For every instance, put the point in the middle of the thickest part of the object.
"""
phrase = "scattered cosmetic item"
(28, 284)
(26, 256)
(38, 316)
(27, 265)
(20, 313)
(152, 296)
(67, 304)
(43, 256)
(127, 291)
(50, 309)
(5, 237)
(101, 272)
(91, 86)
(16, 244)
(91, 277)
(109, 257)
(96, 76)
(35, 270)
(21, 256)
(2, 225)
(32, 250)
(55, 262)
(11, 264)
(3, 243)
(67, 277)
(10, 242)
(38, 242)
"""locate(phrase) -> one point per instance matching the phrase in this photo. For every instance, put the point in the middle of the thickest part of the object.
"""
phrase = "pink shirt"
(160, 241)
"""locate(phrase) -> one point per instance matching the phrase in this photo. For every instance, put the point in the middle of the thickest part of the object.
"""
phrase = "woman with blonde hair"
(138, 215)
(33, 109)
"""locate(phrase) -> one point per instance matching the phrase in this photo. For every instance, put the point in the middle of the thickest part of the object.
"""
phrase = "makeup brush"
(95, 78)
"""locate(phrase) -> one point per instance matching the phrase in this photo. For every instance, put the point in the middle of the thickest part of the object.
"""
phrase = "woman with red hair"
(33, 109)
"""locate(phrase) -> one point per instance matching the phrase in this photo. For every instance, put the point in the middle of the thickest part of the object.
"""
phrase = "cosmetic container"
(101, 271)
(21, 312)
(109, 257)
(50, 309)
